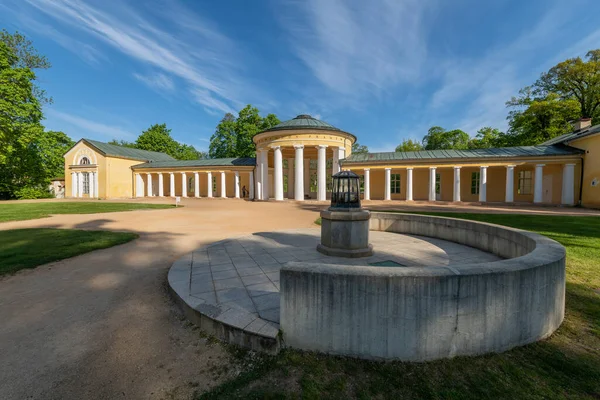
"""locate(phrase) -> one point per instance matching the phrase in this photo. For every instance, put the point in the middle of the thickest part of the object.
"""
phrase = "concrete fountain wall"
(419, 314)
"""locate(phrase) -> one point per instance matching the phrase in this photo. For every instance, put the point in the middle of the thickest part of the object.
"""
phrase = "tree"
(359, 148)
(20, 110)
(535, 120)
(122, 143)
(488, 137)
(233, 136)
(409, 145)
(438, 138)
(574, 79)
(26, 56)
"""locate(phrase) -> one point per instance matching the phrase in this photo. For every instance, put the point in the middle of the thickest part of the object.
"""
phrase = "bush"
(33, 193)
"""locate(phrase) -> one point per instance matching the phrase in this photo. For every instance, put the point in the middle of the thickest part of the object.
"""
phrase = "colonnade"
(78, 188)
(567, 193)
(298, 178)
(145, 189)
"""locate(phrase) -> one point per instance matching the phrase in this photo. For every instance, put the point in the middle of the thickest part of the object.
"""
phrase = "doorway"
(547, 189)
(438, 186)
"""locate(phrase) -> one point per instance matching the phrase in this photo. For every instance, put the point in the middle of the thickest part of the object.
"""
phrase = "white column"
(278, 173)
(149, 185)
(223, 187)
(80, 184)
(509, 196)
(210, 184)
(299, 173)
(74, 184)
(339, 153)
(483, 184)
(388, 184)
(184, 184)
(139, 186)
(409, 184)
(568, 185)
(171, 184)
(237, 184)
(92, 186)
(259, 168)
(196, 184)
(456, 195)
(537, 187)
(321, 173)
(431, 183)
(290, 175)
(265, 174)
(96, 184)
(251, 185)
(367, 194)
(161, 188)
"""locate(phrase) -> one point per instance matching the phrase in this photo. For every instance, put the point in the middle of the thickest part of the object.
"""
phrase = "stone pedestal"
(345, 233)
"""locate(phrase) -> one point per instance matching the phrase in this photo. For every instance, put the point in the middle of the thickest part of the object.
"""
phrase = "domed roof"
(303, 121)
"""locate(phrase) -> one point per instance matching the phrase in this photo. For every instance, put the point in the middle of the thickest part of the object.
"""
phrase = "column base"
(357, 253)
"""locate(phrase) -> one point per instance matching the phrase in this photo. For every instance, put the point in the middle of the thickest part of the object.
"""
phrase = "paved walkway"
(240, 276)
(101, 325)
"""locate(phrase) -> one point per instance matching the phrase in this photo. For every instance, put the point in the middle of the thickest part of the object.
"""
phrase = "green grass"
(567, 365)
(28, 248)
(23, 211)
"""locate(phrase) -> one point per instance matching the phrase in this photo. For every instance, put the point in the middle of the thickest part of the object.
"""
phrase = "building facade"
(295, 160)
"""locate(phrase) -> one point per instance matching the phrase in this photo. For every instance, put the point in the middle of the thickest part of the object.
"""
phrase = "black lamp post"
(346, 191)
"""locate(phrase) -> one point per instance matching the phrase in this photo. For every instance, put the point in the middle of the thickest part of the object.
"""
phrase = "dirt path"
(101, 325)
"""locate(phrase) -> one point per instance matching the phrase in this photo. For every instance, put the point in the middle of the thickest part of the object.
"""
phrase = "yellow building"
(296, 159)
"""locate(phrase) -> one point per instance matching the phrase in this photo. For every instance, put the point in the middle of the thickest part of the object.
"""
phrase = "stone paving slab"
(236, 281)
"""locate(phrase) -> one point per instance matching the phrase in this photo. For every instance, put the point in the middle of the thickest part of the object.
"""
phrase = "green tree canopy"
(359, 148)
(409, 145)
(488, 137)
(574, 79)
(535, 120)
(158, 138)
(438, 138)
(233, 136)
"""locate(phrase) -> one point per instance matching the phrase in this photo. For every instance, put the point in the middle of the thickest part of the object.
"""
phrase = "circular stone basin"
(434, 288)
(236, 281)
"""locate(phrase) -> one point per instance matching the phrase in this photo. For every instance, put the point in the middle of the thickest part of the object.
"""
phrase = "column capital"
(540, 165)
(409, 168)
(208, 172)
(366, 169)
(388, 169)
(221, 172)
(276, 147)
(321, 146)
(511, 166)
(148, 173)
(237, 173)
(298, 146)
(171, 173)
(432, 168)
(483, 166)
(456, 167)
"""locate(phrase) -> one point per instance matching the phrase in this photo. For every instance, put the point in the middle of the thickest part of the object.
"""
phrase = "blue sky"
(383, 70)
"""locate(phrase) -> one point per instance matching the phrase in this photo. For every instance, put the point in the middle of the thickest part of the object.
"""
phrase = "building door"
(438, 186)
(547, 189)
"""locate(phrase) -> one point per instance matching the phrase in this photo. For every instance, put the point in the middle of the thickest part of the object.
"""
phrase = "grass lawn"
(567, 365)
(23, 211)
(28, 248)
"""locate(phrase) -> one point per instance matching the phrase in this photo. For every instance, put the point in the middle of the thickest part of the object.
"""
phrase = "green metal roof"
(303, 121)
(210, 162)
(127, 152)
(502, 152)
(569, 137)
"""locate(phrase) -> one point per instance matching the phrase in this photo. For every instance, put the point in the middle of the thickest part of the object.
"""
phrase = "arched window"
(84, 161)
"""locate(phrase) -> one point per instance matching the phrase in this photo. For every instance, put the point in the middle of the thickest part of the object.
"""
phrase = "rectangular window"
(475, 179)
(86, 183)
(395, 183)
(438, 183)
(525, 182)
(214, 184)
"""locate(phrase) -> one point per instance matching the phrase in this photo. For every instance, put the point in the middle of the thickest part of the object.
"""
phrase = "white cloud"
(357, 49)
(156, 81)
(201, 56)
(87, 127)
